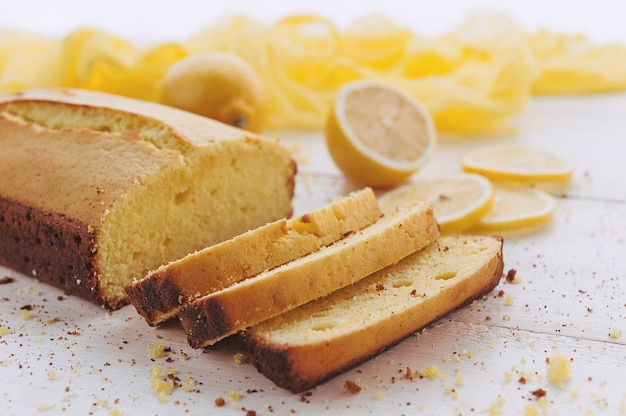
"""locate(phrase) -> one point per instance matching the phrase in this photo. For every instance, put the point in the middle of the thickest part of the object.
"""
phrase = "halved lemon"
(459, 200)
(516, 206)
(517, 162)
(377, 134)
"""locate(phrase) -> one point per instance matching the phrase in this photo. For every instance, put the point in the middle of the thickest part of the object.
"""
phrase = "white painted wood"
(71, 357)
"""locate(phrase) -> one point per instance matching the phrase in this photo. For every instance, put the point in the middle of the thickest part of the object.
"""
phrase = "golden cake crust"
(185, 130)
(39, 163)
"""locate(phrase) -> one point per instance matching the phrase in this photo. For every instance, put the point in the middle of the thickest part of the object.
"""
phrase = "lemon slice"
(377, 134)
(516, 206)
(459, 200)
(517, 163)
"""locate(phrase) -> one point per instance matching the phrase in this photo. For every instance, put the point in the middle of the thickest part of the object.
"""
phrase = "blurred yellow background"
(472, 64)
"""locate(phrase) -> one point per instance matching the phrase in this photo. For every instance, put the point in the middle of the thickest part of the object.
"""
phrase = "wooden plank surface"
(72, 357)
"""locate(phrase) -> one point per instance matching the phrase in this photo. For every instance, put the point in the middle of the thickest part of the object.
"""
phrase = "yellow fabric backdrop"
(469, 79)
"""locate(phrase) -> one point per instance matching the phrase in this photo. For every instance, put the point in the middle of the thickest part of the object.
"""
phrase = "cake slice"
(208, 319)
(97, 189)
(164, 291)
(310, 344)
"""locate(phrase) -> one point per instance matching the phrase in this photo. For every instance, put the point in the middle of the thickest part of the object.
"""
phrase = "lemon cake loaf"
(208, 319)
(96, 189)
(164, 291)
(310, 344)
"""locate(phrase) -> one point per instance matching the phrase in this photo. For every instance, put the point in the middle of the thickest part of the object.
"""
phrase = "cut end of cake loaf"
(213, 317)
(164, 291)
(310, 344)
(161, 294)
(130, 185)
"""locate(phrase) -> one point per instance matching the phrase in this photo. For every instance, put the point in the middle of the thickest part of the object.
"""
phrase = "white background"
(601, 20)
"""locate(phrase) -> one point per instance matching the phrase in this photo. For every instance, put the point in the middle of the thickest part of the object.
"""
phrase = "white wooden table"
(71, 357)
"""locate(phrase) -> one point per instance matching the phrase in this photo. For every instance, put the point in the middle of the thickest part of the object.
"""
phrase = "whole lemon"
(219, 85)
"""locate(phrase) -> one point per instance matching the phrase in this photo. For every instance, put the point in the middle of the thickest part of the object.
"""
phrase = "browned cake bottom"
(50, 247)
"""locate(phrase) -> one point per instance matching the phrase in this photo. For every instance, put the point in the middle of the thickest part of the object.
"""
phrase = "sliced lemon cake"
(208, 319)
(310, 344)
(164, 291)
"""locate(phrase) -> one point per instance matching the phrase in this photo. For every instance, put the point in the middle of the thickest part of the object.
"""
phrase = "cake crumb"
(451, 391)
(4, 330)
(157, 350)
(163, 387)
(6, 279)
(525, 376)
(412, 375)
(531, 410)
(510, 275)
(351, 387)
(495, 410)
(240, 358)
(188, 385)
(233, 395)
(25, 314)
(615, 333)
(539, 393)
(45, 407)
(520, 334)
(53, 320)
(431, 371)
(508, 300)
(559, 369)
